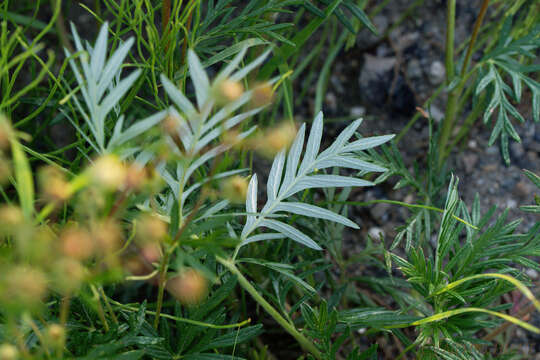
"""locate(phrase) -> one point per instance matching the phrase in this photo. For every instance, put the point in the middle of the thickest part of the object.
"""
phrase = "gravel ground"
(383, 80)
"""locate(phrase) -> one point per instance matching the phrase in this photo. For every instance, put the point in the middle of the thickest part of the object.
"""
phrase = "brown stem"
(474, 35)
(507, 324)
(162, 281)
(165, 15)
(184, 45)
(61, 27)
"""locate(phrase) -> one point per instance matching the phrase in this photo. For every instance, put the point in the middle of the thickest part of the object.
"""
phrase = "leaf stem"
(302, 340)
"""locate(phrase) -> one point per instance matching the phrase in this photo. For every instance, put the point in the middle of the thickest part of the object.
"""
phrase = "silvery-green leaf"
(144, 157)
(291, 233)
(313, 143)
(323, 181)
(100, 52)
(126, 153)
(231, 66)
(349, 162)
(113, 67)
(138, 128)
(214, 209)
(314, 211)
(173, 184)
(195, 186)
(251, 206)
(274, 178)
(204, 158)
(293, 159)
(230, 123)
(184, 131)
(199, 78)
(119, 91)
(232, 233)
(117, 130)
(367, 143)
(240, 74)
(177, 97)
(342, 138)
(226, 111)
(262, 237)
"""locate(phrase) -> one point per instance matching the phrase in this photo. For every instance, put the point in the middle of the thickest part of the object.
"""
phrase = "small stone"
(492, 150)
(376, 233)
(523, 189)
(517, 150)
(472, 144)
(357, 111)
(414, 70)
(511, 203)
(436, 73)
(533, 274)
(331, 100)
(470, 161)
(380, 211)
(436, 113)
(409, 199)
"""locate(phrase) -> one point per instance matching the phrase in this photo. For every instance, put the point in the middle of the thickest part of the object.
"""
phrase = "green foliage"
(149, 239)
(500, 63)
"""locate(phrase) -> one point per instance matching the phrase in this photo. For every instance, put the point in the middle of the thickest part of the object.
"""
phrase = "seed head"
(108, 172)
(227, 91)
(53, 184)
(235, 189)
(76, 244)
(150, 229)
(5, 132)
(8, 352)
(190, 287)
(56, 334)
(24, 286)
(107, 235)
(262, 95)
(68, 275)
(276, 139)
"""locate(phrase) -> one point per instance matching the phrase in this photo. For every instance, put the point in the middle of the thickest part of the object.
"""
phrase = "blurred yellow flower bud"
(55, 335)
(76, 243)
(68, 275)
(227, 91)
(108, 172)
(190, 287)
(150, 229)
(11, 217)
(53, 184)
(275, 139)
(8, 352)
(234, 189)
(263, 94)
(107, 235)
(23, 286)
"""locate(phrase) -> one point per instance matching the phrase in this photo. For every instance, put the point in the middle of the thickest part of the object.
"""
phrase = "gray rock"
(469, 162)
(414, 70)
(376, 233)
(436, 73)
(380, 211)
(357, 111)
(436, 113)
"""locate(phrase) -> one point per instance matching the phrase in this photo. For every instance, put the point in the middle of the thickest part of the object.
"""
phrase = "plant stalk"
(302, 340)
(162, 281)
(448, 123)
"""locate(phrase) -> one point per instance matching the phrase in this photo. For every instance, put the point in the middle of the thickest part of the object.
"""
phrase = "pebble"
(533, 274)
(436, 72)
(376, 233)
(436, 113)
(473, 144)
(357, 111)
(380, 211)
(469, 162)
(511, 203)
(414, 70)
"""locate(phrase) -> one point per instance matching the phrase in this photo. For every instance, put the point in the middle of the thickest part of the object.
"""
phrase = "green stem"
(302, 340)
(448, 123)
(162, 281)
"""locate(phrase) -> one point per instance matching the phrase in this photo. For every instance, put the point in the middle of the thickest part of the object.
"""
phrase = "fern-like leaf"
(289, 176)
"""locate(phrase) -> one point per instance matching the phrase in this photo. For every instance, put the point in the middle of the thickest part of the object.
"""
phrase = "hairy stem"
(302, 340)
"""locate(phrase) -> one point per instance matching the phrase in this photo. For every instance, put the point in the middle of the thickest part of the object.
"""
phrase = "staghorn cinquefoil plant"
(102, 90)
